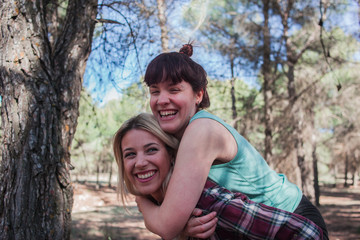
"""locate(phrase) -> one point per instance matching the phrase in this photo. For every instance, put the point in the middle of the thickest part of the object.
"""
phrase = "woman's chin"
(149, 190)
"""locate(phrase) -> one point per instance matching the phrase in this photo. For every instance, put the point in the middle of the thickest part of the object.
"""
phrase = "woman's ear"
(199, 96)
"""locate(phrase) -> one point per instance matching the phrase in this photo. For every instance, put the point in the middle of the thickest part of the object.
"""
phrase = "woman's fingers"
(203, 219)
(196, 212)
(207, 233)
(201, 228)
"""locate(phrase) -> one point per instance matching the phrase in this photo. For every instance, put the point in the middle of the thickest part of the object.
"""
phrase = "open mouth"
(145, 176)
(167, 113)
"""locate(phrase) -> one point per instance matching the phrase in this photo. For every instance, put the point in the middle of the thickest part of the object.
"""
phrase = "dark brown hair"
(178, 66)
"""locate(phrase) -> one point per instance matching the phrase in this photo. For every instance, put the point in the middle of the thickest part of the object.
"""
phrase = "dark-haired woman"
(208, 147)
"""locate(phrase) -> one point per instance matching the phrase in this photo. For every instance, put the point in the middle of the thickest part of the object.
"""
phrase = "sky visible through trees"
(121, 75)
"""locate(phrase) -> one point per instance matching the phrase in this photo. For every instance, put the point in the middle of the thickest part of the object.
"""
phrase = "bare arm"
(202, 143)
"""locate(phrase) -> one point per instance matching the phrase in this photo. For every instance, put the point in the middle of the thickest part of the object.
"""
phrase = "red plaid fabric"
(241, 218)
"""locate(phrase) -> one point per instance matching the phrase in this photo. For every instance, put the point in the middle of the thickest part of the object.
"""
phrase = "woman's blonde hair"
(147, 122)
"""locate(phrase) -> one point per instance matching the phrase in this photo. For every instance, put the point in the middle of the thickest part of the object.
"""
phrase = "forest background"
(307, 120)
(283, 73)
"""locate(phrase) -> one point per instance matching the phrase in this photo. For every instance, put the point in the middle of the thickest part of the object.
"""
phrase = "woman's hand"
(200, 227)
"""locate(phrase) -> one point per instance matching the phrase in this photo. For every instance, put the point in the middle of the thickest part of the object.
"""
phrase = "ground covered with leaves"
(98, 215)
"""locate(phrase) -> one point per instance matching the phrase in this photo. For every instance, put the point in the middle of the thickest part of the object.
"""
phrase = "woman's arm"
(203, 142)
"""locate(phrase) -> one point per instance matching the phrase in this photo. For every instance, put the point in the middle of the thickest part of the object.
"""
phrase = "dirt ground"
(98, 215)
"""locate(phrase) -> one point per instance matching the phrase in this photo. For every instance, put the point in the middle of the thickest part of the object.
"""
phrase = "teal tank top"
(249, 173)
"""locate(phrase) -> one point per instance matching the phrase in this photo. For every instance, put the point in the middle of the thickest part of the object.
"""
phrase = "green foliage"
(336, 110)
(92, 145)
(219, 92)
(249, 104)
(85, 143)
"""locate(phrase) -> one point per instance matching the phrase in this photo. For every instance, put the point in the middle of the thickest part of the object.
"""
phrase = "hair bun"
(187, 49)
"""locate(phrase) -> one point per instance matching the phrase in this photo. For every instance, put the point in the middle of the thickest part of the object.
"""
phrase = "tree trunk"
(232, 92)
(42, 61)
(314, 156)
(295, 105)
(346, 170)
(335, 174)
(162, 22)
(356, 176)
(98, 186)
(316, 175)
(110, 174)
(298, 124)
(267, 86)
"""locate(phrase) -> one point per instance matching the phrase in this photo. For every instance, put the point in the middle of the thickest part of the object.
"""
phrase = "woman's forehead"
(138, 135)
(168, 83)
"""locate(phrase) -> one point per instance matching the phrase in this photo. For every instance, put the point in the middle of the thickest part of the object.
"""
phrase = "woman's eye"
(153, 90)
(129, 154)
(152, 150)
(174, 90)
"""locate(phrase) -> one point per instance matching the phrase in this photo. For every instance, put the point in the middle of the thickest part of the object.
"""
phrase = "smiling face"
(146, 162)
(173, 105)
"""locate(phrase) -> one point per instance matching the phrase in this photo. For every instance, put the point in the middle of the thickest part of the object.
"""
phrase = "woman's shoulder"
(208, 121)
(210, 133)
(202, 125)
(205, 114)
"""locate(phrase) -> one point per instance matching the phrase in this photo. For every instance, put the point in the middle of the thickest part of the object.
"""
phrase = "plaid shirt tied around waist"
(241, 218)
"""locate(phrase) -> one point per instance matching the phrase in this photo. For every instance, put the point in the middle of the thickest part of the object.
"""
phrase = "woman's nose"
(141, 161)
(163, 98)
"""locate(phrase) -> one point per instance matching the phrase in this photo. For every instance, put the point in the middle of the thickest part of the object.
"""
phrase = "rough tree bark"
(267, 86)
(42, 60)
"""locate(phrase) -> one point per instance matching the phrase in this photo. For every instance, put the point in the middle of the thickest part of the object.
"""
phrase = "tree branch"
(102, 20)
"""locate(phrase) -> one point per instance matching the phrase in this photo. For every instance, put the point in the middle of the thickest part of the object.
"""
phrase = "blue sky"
(119, 78)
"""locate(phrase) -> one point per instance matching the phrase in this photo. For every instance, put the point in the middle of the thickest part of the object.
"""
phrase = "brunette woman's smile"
(167, 114)
(173, 105)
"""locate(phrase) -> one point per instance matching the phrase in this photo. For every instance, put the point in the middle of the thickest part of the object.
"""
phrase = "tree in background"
(249, 104)
(84, 147)
(127, 35)
(338, 111)
(43, 52)
(273, 36)
(92, 146)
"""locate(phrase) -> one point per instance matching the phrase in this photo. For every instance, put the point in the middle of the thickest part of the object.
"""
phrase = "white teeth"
(147, 175)
(167, 113)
